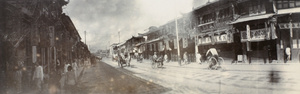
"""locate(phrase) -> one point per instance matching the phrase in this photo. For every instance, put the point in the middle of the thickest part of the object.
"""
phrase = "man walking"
(38, 77)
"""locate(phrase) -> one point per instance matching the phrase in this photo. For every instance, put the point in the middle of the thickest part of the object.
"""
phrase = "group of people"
(67, 75)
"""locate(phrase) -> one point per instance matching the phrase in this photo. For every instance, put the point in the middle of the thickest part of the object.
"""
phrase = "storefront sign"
(206, 40)
(288, 25)
(254, 35)
(221, 38)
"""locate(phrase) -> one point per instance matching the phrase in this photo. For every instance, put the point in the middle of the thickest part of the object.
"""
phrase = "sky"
(103, 19)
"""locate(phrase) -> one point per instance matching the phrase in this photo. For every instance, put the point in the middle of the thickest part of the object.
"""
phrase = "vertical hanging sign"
(51, 35)
(34, 55)
(184, 42)
(248, 32)
(175, 44)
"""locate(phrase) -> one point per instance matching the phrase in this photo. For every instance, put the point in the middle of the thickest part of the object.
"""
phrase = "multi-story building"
(268, 28)
(131, 43)
(153, 43)
(287, 26)
(241, 30)
(212, 28)
(36, 31)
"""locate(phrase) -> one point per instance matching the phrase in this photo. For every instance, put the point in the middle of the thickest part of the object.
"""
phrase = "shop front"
(258, 38)
(289, 34)
(222, 40)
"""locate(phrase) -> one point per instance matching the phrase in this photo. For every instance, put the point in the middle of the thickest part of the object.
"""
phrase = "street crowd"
(63, 80)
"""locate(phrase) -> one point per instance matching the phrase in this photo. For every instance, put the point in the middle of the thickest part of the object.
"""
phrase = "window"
(282, 4)
(298, 44)
(150, 47)
(257, 8)
(297, 3)
(295, 43)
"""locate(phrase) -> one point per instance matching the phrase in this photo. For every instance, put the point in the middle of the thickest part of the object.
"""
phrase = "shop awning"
(251, 18)
(121, 44)
(288, 11)
(140, 43)
(206, 23)
(154, 40)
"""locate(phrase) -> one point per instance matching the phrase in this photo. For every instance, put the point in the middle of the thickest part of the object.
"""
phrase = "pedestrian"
(70, 81)
(198, 56)
(288, 53)
(154, 56)
(127, 58)
(166, 58)
(18, 76)
(75, 67)
(66, 67)
(38, 77)
(185, 58)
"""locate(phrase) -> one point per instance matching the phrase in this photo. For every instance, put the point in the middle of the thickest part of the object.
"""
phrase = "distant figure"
(66, 67)
(198, 56)
(166, 57)
(75, 67)
(154, 56)
(185, 58)
(70, 81)
(288, 53)
(18, 76)
(38, 76)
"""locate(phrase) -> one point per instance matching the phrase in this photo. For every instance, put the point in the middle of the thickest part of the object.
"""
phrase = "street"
(104, 79)
(234, 79)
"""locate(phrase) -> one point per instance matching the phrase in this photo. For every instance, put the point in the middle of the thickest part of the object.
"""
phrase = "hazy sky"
(103, 19)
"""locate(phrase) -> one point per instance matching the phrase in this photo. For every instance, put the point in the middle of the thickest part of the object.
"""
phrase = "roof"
(140, 43)
(287, 11)
(206, 4)
(121, 44)
(154, 40)
(251, 18)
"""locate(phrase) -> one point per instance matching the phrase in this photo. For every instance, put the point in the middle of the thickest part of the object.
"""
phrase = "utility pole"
(85, 37)
(119, 36)
(177, 40)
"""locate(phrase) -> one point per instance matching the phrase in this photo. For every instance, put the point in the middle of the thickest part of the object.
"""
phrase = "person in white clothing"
(66, 67)
(212, 52)
(75, 67)
(38, 76)
(288, 53)
(198, 56)
(185, 58)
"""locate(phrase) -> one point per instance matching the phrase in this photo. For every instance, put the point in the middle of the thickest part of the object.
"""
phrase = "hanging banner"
(160, 46)
(175, 44)
(167, 44)
(34, 55)
(184, 42)
(51, 35)
(273, 31)
(248, 32)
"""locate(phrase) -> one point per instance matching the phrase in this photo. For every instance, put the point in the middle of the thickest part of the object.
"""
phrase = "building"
(131, 43)
(267, 28)
(213, 30)
(36, 31)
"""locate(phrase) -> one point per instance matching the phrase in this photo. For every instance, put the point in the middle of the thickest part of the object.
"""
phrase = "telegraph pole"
(119, 36)
(85, 37)
(177, 40)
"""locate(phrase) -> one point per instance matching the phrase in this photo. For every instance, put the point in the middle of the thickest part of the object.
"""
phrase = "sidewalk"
(53, 89)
